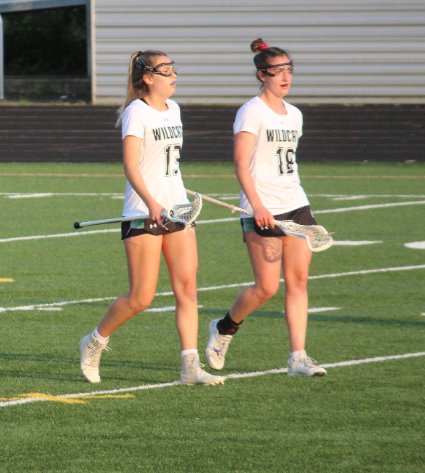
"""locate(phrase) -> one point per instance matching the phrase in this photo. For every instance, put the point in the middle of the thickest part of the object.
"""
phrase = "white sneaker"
(90, 351)
(217, 346)
(303, 365)
(192, 373)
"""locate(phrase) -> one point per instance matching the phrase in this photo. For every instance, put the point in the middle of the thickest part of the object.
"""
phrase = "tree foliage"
(46, 42)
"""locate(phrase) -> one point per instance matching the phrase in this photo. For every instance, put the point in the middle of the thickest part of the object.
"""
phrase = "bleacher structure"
(358, 77)
(331, 133)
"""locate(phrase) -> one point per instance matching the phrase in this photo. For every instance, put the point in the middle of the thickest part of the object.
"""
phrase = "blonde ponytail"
(136, 86)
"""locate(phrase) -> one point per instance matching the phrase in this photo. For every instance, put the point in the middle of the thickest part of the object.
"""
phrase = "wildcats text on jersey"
(167, 132)
(282, 135)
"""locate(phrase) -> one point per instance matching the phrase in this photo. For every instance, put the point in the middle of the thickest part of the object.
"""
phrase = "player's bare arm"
(243, 148)
(131, 151)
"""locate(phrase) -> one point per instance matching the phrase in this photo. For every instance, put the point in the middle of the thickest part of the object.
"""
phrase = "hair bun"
(257, 45)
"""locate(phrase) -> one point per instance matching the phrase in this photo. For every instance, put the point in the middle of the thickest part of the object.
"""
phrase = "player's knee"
(264, 293)
(139, 303)
(187, 290)
(297, 281)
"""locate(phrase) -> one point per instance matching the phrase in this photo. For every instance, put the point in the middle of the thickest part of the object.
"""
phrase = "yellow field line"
(6, 280)
(67, 400)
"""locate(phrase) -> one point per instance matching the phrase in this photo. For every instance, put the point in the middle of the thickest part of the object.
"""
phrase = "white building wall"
(345, 51)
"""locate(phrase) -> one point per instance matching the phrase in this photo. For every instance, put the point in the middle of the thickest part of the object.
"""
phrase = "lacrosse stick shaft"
(233, 208)
(195, 205)
(109, 220)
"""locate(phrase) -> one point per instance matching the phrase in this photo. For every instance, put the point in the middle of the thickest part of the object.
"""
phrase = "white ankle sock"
(294, 354)
(101, 339)
(190, 350)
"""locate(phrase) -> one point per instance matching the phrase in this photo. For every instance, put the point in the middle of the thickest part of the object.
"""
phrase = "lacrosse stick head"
(185, 213)
(316, 236)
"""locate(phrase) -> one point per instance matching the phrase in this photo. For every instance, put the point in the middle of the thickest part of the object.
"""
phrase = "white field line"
(213, 288)
(365, 207)
(20, 195)
(50, 308)
(416, 245)
(54, 305)
(170, 308)
(366, 196)
(367, 271)
(34, 307)
(354, 243)
(362, 207)
(111, 230)
(336, 197)
(322, 309)
(229, 376)
(315, 310)
(26, 195)
(223, 195)
(23, 195)
(209, 176)
(58, 235)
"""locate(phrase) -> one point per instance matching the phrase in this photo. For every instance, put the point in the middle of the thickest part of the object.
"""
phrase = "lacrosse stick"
(316, 236)
(181, 213)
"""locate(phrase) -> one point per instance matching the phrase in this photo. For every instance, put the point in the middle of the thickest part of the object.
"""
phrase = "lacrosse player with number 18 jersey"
(267, 130)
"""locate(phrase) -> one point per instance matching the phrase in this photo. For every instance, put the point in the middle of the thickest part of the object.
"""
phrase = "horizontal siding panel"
(244, 35)
(246, 90)
(249, 5)
(185, 69)
(343, 50)
(411, 50)
(270, 17)
(306, 81)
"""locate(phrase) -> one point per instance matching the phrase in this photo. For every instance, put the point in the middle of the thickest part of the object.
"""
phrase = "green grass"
(362, 418)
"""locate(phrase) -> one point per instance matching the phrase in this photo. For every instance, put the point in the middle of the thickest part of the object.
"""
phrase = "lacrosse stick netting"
(316, 236)
(185, 213)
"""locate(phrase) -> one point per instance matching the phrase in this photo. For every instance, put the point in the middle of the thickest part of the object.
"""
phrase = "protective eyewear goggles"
(278, 69)
(165, 69)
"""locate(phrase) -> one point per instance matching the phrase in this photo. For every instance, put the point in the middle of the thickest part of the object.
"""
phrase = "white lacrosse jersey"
(273, 164)
(162, 135)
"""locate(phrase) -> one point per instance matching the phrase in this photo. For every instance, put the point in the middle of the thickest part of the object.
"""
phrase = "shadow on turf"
(327, 318)
(348, 319)
(49, 372)
(366, 320)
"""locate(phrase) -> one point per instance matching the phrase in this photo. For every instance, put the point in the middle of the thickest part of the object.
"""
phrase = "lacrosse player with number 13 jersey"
(152, 139)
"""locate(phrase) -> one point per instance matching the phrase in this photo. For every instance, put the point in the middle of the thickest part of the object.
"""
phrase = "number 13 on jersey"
(172, 158)
(286, 161)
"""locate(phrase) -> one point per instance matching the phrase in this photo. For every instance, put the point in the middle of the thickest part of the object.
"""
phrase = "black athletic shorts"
(149, 226)
(302, 216)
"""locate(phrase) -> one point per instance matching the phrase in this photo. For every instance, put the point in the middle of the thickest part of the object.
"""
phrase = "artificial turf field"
(365, 417)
